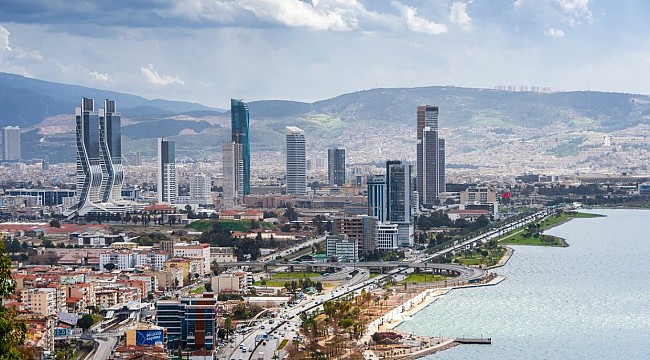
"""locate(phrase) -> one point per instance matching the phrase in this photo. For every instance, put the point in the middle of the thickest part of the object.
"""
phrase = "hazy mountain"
(26, 102)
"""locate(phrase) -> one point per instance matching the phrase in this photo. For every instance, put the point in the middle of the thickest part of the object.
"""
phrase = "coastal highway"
(286, 325)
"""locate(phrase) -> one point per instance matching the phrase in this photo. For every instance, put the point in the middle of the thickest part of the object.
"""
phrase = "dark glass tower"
(239, 122)
(430, 156)
(336, 166)
(111, 149)
(89, 170)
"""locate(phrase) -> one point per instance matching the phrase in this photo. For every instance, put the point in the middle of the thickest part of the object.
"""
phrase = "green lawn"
(198, 290)
(231, 225)
(476, 259)
(519, 239)
(283, 343)
(516, 237)
(270, 283)
(423, 278)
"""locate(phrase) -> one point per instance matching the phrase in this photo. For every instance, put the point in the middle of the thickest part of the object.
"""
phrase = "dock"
(479, 341)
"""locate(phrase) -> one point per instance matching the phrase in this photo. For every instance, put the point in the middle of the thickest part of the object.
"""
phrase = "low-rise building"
(341, 248)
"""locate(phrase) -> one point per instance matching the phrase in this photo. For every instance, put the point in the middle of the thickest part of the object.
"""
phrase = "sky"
(209, 51)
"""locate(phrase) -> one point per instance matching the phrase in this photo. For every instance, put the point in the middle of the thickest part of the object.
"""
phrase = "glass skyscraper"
(430, 156)
(336, 166)
(296, 161)
(239, 122)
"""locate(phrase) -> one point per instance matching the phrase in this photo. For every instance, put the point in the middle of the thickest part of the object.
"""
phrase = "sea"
(590, 300)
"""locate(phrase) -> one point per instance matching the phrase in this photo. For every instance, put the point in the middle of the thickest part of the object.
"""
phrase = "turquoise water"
(588, 301)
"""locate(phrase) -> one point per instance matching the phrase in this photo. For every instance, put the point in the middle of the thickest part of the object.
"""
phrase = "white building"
(296, 161)
(387, 236)
(11, 143)
(154, 259)
(121, 259)
(195, 250)
(201, 189)
(167, 188)
(344, 249)
(233, 174)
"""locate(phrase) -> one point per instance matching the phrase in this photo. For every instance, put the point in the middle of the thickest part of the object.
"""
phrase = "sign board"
(148, 337)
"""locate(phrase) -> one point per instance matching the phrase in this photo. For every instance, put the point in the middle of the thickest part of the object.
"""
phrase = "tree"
(48, 243)
(86, 321)
(109, 266)
(319, 286)
(13, 331)
(55, 223)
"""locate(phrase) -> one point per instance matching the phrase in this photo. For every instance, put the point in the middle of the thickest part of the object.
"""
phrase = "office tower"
(11, 143)
(430, 174)
(239, 122)
(361, 229)
(100, 173)
(233, 174)
(296, 161)
(89, 169)
(167, 190)
(376, 197)
(191, 323)
(342, 248)
(110, 141)
(398, 192)
(336, 166)
(201, 188)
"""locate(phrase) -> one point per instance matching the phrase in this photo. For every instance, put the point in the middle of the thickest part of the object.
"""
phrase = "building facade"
(11, 143)
(336, 166)
(233, 174)
(430, 156)
(167, 188)
(239, 121)
(342, 248)
(377, 197)
(296, 161)
(201, 189)
(191, 323)
(361, 230)
(387, 237)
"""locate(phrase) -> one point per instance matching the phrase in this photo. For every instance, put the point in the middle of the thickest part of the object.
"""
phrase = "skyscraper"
(110, 141)
(100, 174)
(11, 143)
(201, 188)
(398, 192)
(239, 122)
(233, 174)
(376, 197)
(296, 161)
(89, 169)
(430, 156)
(167, 189)
(336, 166)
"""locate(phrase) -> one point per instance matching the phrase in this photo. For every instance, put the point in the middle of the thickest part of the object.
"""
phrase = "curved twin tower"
(100, 173)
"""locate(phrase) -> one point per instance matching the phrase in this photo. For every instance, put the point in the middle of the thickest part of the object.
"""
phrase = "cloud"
(101, 76)
(4, 39)
(459, 16)
(416, 23)
(321, 15)
(553, 32)
(159, 80)
(576, 10)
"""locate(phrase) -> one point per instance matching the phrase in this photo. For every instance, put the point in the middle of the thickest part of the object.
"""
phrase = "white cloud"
(459, 16)
(553, 32)
(416, 23)
(322, 15)
(153, 77)
(101, 76)
(4, 39)
(576, 10)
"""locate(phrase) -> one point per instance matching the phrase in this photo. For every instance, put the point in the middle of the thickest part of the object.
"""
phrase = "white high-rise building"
(430, 156)
(11, 143)
(296, 161)
(201, 188)
(233, 174)
(167, 188)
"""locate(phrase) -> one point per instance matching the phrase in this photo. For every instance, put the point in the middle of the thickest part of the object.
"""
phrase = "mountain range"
(45, 110)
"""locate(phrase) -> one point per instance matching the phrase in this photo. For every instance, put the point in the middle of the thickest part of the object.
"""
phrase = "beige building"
(480, 197)
(222, 255)
(231, 283)
(42, 301)
(194, 250)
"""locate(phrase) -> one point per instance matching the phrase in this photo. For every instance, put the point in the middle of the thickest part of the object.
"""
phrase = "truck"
(260, 355)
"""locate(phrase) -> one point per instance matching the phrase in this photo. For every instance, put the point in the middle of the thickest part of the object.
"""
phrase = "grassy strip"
(476, 259)
(270, 283)
(283, 344)
(198, 290)
(423, 278)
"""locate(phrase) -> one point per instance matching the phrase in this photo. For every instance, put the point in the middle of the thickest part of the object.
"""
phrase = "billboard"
(148, 337)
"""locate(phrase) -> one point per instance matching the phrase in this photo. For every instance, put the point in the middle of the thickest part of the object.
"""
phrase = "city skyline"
(487, 43)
